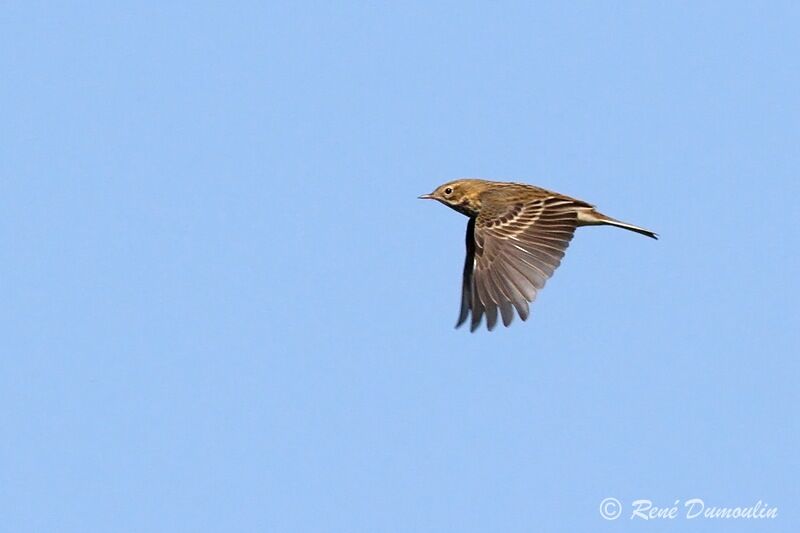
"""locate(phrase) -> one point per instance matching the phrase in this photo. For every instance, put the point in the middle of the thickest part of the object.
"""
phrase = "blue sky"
(224, 308)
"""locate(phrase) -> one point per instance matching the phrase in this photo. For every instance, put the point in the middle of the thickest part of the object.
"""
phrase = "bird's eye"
(448, 190)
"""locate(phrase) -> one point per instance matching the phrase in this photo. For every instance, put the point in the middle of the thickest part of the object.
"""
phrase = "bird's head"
(462, 195)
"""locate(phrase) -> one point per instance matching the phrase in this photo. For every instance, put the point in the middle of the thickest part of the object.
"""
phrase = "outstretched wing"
(511, 252)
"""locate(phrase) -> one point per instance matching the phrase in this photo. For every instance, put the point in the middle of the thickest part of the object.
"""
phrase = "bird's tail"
(593, 218)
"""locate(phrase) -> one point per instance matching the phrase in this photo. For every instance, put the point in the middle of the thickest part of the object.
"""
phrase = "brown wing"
(510, 256)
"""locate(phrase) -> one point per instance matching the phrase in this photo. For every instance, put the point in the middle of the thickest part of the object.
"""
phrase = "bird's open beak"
(425, 197)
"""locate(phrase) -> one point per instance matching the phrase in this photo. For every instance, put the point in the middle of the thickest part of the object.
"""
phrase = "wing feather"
(511, 253)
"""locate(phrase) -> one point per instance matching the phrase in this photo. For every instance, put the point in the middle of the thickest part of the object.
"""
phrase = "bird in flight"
(516, 237)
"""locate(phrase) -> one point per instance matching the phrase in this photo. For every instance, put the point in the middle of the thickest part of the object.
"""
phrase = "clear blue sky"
(224, 309)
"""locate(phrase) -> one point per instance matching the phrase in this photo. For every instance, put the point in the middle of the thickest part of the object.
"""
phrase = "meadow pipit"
(516, 237)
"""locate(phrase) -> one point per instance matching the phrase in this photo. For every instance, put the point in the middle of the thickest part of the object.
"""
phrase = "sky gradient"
(224, 308)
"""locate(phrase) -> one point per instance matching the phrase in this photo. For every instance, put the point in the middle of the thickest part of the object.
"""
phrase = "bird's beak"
(425, 197)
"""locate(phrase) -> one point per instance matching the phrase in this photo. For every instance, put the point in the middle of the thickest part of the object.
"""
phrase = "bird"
(517, 235)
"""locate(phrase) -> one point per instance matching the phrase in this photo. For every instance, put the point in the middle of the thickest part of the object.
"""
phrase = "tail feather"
(631, 227)
(593, 218)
